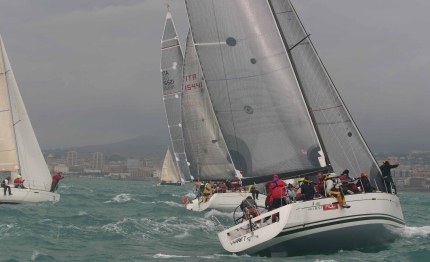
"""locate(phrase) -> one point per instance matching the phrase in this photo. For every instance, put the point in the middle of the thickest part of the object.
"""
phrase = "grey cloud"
(89, 70)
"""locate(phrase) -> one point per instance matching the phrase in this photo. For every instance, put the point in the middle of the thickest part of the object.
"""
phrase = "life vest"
(251, 213)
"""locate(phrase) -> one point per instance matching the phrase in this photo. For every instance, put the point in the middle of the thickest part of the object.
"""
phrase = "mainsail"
(171, 71)
(342, 140)
(254, 91)
(169, 172)
(19, 149)
(204, 143)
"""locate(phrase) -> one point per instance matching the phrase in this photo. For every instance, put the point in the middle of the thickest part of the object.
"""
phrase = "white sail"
(253, 88)
(8, 152)
(342, 139)
(171, 72)
(31, 163)
(204, 143)
(169, 173)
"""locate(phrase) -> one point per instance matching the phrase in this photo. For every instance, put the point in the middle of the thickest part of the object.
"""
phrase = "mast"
(342, 139)
(311, 114)
(335, 88)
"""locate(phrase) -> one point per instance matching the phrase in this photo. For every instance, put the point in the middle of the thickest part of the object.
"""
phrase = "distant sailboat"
(169, 172)
(20, 153)
(280, 113)
(206, 150)
(171, 73)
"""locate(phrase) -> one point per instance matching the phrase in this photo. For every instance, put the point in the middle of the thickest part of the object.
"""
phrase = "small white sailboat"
(20, 152)
(280, 113)
(169, 172)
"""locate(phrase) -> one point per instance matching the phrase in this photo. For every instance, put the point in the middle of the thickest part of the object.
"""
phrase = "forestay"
(171, 71)
(205, 146)
(252, 86)
(19, 148)
(345, 146)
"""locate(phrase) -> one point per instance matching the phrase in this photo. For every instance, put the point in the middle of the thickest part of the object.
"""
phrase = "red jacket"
(57, 178)
(278, 188)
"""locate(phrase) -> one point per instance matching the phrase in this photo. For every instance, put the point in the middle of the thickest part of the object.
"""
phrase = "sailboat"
(169, 173)
(20, 152)
(280, 113)
(206, 150)
(171, 73)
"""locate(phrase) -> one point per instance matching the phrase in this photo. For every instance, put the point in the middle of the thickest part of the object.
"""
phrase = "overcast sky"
(89, 70)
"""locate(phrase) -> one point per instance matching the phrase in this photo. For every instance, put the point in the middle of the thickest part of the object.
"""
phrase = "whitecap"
(215, 212)
(159, 255)
(35, 255)
(121, 198)
(82, 213)
(410, 232)
(325, 260)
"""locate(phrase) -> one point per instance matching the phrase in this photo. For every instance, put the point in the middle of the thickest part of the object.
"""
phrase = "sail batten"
(252, 86)
(171, 73)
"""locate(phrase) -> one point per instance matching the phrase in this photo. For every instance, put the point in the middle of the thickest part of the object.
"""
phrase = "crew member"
(55, 180)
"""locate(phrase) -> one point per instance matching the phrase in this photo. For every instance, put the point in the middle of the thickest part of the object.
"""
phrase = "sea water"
(117, 220)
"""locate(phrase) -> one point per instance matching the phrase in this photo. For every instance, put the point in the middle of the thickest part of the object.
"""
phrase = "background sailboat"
(169, 173)
(171, 73)
(271, 126)
(19, 149)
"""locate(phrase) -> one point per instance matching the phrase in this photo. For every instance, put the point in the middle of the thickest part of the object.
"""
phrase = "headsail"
(169, 172)
(205, 145)
(252, 86)
(32, 165)
(345, 146)
(171, 72)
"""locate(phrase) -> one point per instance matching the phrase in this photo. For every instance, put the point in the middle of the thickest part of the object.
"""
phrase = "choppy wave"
(168, 256)
(134, 221)
(410, 232)
(121, 198)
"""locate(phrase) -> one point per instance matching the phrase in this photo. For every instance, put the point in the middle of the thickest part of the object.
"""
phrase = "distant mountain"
(142, 146)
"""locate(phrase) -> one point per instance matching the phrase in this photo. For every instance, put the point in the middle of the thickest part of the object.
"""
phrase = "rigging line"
(333, 92)
(17, 122)
(5, 72)
(337, 93)
(299, 83)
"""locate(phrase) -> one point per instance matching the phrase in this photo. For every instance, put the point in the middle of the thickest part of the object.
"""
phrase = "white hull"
(26, 195)
(225, 202)
(320, 221)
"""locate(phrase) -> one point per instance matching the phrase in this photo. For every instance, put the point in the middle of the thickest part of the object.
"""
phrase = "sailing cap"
(364, 174)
